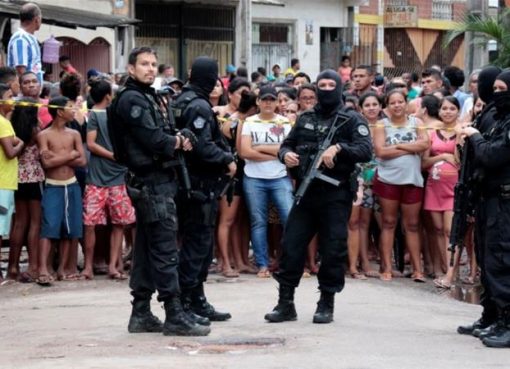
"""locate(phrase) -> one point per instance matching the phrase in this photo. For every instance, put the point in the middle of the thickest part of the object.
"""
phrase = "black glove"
(186, 133)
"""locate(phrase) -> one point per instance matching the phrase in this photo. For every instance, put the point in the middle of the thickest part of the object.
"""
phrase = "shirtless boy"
(61, 151)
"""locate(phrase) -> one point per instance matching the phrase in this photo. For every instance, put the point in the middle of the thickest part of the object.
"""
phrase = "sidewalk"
(377, 325)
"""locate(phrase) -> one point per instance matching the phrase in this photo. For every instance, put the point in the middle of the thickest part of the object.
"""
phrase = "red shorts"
(114, 200)
(405, 194)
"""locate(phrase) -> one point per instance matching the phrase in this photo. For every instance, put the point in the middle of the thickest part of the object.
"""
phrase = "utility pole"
(380, 37)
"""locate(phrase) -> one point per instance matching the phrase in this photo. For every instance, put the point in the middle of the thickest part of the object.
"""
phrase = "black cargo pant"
(197, 220)
(497, 249)
(324, 210)
(155, 255)
(489, 312)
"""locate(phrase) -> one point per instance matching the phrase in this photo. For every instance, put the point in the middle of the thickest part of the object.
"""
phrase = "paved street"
(378, 325)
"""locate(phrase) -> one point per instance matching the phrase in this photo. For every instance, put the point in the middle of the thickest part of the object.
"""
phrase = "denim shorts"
(7, 204)
(62, 211)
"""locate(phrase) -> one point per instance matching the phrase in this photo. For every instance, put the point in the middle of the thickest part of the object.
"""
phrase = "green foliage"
(486, 28)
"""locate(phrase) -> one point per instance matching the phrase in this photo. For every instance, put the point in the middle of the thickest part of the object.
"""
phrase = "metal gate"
(267, 55)
(84, 57)
(181, 32)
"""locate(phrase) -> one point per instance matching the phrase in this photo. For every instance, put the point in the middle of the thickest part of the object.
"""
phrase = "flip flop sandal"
(439, 283)
(372, 274)
(230, 274)
(71, 277)
(467, 280)
(44, 280)
(25, 277)
(264, 274)
(118, 276)
(386, 277)
(418, 278)
(359, 276)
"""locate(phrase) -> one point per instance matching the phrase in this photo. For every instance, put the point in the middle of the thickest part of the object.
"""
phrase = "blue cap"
(231, 68)
(92, 73)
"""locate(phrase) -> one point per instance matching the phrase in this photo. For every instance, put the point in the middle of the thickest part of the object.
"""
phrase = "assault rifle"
(162, 99)
(315, 170)
(463, 201)
(228, 189)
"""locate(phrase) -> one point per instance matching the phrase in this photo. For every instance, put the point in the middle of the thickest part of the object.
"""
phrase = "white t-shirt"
(266, 133)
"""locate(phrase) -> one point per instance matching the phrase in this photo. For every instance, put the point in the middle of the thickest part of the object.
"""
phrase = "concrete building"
(253, 33)
(406, 35)
(93, 33)
(308, 30)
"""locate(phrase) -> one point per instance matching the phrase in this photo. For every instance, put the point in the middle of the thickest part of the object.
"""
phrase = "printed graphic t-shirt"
(266, 133)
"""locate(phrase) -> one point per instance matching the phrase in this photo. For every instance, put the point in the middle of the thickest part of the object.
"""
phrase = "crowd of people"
(64, 182)
(405, 191)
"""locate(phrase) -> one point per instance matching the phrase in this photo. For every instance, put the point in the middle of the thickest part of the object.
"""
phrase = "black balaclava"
(486, 80)
(329, 100)
(502, 98)
(204, 74)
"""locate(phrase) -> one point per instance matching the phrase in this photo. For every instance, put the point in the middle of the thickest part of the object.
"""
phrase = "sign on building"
(400, 16)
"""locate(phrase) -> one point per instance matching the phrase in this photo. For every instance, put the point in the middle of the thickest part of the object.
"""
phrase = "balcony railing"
(442, 10)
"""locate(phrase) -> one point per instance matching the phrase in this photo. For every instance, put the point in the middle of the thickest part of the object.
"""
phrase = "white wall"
(323, 13)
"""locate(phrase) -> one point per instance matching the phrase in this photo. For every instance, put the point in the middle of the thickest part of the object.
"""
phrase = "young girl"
(441, 161)
(231, 218)
(27, 220)
(361, 214)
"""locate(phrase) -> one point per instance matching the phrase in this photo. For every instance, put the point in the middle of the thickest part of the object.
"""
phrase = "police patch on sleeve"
(199, 122)
(136, 111)
(363, 130)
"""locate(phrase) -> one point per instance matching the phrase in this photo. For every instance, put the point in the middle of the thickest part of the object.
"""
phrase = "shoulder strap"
(411, 121)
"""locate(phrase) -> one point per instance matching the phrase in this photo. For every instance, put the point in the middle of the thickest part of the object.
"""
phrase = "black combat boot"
(142, 320)
(487, 331)
(492, 329)
(325, 307)
(480, 324)
(285, 310)
(200, 306)
(186, 301)
(500, 336)
(178, 323)
(488, 318)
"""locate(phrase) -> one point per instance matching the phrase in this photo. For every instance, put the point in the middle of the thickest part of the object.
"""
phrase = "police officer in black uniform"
(143, 141)
(325, 208)
(484, 123)
(493, 154)
(209, 164)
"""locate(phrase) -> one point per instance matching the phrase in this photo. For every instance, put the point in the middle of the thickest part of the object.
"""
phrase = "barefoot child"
(10, 148)
(61, 151)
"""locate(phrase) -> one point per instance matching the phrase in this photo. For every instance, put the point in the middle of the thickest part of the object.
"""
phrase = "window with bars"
(273, 33)
(442, 9)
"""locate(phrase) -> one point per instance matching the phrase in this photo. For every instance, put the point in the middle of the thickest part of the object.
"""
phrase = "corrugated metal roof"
(67, 17)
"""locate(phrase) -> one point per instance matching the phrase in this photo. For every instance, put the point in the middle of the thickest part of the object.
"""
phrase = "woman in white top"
(265, 178)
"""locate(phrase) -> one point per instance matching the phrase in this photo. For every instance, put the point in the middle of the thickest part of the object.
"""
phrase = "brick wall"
(370, 8)
(424, 8)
